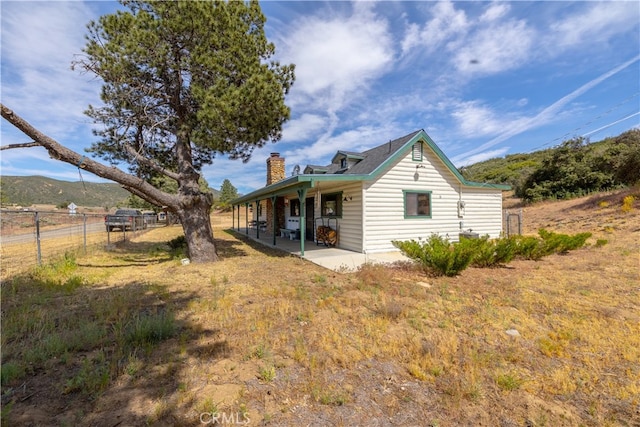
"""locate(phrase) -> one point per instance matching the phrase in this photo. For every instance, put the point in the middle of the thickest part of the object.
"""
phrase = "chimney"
(275, 168)
(275, 173)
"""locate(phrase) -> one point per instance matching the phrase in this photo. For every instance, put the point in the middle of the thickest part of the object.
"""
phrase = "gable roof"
(373, 162)
(371, 159)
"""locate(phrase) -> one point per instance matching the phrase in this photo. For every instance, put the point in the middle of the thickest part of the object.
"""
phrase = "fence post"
(37, 218)
(84, 231)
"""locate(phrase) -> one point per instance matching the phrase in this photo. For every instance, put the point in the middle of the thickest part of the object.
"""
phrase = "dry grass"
(267, 337)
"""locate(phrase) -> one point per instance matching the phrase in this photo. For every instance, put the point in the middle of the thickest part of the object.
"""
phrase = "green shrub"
(491, 253)
(601, 242)
(443, 258)
(438, 255)
(534, 248)
(528, 247)
(561, 243)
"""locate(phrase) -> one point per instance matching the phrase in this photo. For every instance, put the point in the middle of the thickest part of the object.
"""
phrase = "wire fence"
(30, 238)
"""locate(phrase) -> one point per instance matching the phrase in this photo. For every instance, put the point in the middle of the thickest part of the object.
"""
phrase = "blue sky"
(483, 79)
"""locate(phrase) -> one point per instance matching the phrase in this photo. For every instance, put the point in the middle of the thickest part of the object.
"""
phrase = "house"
(400, 190)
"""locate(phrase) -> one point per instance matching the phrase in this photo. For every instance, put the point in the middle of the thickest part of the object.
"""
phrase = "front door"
(310, 218)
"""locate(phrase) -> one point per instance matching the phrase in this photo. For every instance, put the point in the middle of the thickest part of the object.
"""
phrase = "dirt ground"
(265, 338)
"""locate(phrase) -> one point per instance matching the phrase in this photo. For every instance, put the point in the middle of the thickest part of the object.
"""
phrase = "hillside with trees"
(572, 169)
(40, 190)
(31, 190)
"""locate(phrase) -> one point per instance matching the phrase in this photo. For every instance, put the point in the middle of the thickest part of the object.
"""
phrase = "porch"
(340, 260)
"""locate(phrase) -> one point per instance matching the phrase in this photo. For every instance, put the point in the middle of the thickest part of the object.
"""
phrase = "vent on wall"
(416, 153)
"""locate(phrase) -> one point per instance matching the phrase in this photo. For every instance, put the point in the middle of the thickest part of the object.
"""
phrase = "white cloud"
(337, 56)
(480, 157)
(495, 48)
(303, 127)
(598, 23)
(550, 113)
(445, 24)
(494, 12)
(39, 41)
(487, 44)
(476, 120)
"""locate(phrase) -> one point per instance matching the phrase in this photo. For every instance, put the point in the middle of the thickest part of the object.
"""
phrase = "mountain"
(29, 190)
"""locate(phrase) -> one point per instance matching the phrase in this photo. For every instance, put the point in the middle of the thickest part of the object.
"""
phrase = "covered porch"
(340, 260)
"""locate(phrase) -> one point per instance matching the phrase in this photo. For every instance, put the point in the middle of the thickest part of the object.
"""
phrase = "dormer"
(312, 169)
(346, 159)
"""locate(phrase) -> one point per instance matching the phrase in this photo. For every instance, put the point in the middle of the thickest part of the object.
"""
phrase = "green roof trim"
(348, 155)
(455, 171)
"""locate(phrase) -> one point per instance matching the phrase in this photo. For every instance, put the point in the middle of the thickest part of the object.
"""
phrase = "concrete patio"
(340, 260)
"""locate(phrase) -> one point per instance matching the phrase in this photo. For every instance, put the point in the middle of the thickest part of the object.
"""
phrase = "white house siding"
(384, 204)
(350, 225)
(483, 211)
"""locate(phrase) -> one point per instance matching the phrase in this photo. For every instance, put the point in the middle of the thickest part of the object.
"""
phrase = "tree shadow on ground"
(241, 239)
(102, 356)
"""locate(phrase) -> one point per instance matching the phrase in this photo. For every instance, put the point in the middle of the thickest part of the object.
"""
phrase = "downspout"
(458, 207)
(363, 228)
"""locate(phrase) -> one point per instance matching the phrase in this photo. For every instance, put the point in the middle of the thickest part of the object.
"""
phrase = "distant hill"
(572, 169)
(39, 190)
(29, 190)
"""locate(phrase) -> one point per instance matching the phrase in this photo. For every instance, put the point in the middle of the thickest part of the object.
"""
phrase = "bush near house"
(440, 257)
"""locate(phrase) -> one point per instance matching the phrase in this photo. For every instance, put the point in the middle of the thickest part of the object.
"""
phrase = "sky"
(483, 79)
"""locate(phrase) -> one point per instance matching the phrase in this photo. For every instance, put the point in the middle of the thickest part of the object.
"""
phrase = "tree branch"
(58, 151)
(147, 162)
(23, 145)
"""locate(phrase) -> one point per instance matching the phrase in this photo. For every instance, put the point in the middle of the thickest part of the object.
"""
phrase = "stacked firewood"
(327, 235)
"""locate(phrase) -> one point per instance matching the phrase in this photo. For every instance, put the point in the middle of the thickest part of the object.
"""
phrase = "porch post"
(246, 218)
(302, 196)
(233, 216)
(258, 219)
(274, 210)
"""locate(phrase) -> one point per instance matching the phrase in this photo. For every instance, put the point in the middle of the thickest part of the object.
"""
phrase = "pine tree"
(184, 81)
(227, 193)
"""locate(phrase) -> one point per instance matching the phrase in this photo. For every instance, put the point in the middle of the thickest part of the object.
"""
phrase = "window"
(417, 204)
(343, 163)
(331, 204)
(294, 207)
(416, 152)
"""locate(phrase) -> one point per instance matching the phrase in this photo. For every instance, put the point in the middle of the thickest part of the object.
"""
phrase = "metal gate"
(513, 223)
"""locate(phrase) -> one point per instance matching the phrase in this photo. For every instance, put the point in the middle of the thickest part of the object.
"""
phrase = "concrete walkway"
(340, 260)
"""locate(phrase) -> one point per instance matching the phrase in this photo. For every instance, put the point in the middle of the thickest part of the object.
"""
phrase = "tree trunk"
(191, 205)
(198, 232)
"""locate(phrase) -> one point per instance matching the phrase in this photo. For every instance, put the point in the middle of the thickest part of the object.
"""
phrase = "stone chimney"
(275, 168)
(275, 173)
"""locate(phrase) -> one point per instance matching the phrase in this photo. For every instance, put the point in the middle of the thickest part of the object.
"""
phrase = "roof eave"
(292, 184)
